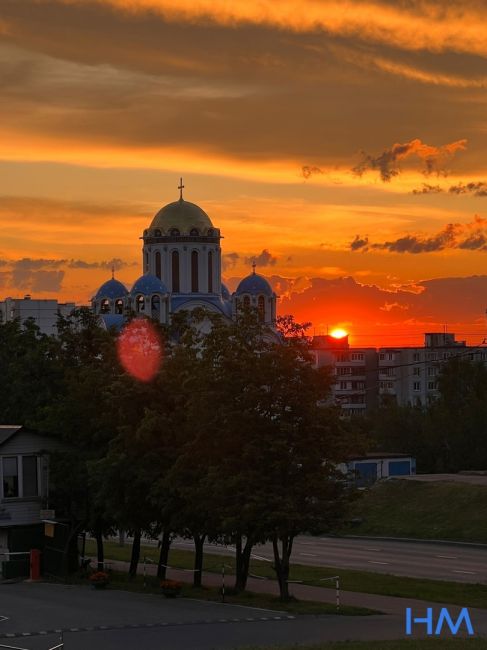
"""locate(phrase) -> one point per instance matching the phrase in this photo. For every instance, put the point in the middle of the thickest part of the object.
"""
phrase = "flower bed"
(99, 579)
(170, 588)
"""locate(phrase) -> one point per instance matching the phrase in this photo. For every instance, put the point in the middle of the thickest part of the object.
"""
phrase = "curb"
(411, 540)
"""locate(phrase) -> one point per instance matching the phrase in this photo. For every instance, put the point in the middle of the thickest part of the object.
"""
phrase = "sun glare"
(338, 333)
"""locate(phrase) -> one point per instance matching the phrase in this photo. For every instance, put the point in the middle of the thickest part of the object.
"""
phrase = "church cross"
(253, 267)
(113, 271)
(180, 188)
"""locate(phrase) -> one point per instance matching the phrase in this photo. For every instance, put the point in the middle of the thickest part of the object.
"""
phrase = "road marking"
(377, 562)
(448, 557)
(370, 548)
(309, 554)
(472, 573)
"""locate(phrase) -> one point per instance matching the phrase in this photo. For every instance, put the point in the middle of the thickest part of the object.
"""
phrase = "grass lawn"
(263, 601)
(468, 595)
(447, 511)
(413, 644)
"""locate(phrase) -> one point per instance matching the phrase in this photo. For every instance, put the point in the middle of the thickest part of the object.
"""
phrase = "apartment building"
(43, 312)
(354, 371)
(410, 375)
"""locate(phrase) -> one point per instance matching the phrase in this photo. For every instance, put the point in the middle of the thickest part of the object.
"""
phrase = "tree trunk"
(164, 554)
(242, 557)
(100, 556)
(134, 558)
(281, 564)
(199, 541)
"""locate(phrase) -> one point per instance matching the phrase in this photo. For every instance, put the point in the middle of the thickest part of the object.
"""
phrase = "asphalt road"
(37, 616)
(435, 561)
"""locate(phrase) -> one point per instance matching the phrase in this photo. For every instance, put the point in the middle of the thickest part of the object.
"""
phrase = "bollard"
(35, 564)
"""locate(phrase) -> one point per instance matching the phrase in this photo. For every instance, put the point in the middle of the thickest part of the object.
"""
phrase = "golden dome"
(183, 216)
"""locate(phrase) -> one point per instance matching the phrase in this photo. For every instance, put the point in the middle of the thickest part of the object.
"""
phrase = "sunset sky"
(341, 144)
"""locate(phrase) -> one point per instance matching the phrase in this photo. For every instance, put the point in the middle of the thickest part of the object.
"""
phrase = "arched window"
(156, 306)
(194, 272)
(174, 232)
(261, 308)
(119, 306)
(105, 306)
(194, 232)
(210, 272)
(157, 233)
(175, 271)
(211, 232)
(158, 265)
(246, 302)
(140, 303)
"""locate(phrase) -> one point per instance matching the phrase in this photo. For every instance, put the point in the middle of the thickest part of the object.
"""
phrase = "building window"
(157, 233)
(340, 358)
(344, 371)
(344, 385)
(140, 303)
(431, 372)
(20, 476)
(417, 385)
(156, 306)
(357, 356)
(10, 477)
(174, 232)
(416, 371)
(382, 356)
(175, 271)
(194, 272)
(416, 356)
(432, 385)
(105, 306)
(158, 265)
(431, 356)
(261, 308)
(29, 476)
(390, 356)
(210, 272)
(194, 232)
(119, 306)
(246, 302)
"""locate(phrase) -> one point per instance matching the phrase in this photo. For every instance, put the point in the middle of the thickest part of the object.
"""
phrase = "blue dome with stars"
(112, 289)
(148, 284)
(254, 284)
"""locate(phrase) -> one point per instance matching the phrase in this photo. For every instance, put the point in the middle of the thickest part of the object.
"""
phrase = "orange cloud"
(387, 163)
(424, 25)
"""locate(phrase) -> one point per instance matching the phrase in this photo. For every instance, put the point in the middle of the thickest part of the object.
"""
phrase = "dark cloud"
(46, 281)
(308, 171)
(262, 259)
(469, 236)
(116, 263)
(359, 243)
(477, 189)
(229, 260)
(434, 159)
(428, 189)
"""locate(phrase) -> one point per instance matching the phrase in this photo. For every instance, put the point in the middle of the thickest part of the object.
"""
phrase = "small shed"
(371, 467)
(24, 490)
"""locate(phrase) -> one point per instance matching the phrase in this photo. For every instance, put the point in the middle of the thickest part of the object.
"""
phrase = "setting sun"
(338, 333)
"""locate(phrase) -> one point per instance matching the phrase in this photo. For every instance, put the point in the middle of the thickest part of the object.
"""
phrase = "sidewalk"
(385, 604)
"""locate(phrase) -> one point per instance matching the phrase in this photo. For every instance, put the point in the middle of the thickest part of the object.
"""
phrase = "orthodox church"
(181, 263)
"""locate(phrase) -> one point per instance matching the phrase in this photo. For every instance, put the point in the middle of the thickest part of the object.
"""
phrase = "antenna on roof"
(180, 188)
(253, 267)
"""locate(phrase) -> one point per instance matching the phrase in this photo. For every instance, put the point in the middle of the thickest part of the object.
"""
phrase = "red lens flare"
(139, 349)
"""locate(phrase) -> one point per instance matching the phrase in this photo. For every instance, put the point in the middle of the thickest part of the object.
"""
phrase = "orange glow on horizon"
(338, 333)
